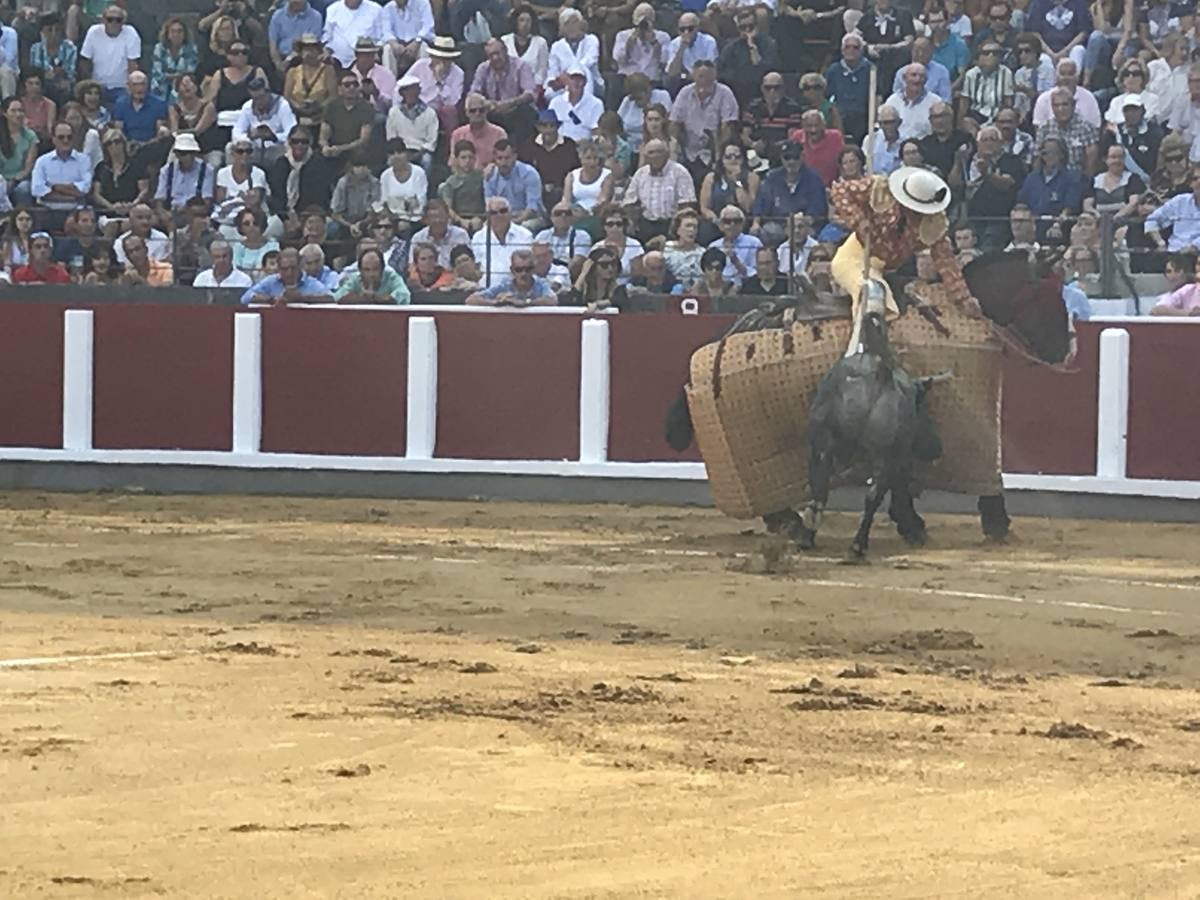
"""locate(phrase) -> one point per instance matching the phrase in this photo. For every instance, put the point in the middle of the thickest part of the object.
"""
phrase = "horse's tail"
(678, 427)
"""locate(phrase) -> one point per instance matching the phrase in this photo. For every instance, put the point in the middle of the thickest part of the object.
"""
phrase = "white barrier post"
(421, 432)
(1112, 414)
(593, 391)
(78, 379)
(247, 383)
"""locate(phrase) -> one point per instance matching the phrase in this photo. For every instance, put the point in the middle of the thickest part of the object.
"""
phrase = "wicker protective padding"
(750, 410)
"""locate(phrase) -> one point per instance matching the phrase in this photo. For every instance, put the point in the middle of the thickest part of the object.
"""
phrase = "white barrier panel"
(594, 394)
(247, 383)
(78, 379)
(421, 427)
(1112, 413)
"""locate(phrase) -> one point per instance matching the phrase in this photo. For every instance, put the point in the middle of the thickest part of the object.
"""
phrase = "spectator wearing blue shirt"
(293, 19)
(288, 285)
(186, 178)
(56, 58)
(792, 188)
(1065, 30)
(517, 182)
(937, 76)
(62, 177)
(1182, 215)
(949, 49)
(1053, 190)
(740, 249)
(522, 288)
(143, 116)
(847, 84)
(691, 46)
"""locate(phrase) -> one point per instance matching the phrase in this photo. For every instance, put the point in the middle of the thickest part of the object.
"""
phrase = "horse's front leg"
(876, 489)
(820, 474)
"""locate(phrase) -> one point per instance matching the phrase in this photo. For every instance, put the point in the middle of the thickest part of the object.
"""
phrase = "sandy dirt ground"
(246, 697)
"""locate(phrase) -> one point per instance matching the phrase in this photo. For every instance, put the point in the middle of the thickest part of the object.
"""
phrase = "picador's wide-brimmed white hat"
(919, 189)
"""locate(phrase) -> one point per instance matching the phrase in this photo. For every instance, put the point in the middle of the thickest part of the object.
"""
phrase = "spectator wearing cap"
(439, 232)
(299, 179)
(684, 51)
(521, 288)
(407, 27)
(1082, 139)
(517, 182)
(221, 274)
(822, 146)
(986, 88)
(441, 80)
(641, 49)
(940, 147)
(111, 51)
(141, 115)
(657, 190)
(346, 122)
(746, 59)
(1067, 77)
(1181, 214)
(41, 268)
(768, 119)
(791, 188)
(412, 122)
(56, 58)
(266, 119)
(481, 133)
(913, 103)
(575, 48)
(62, 178)
(494, 243)
(292, 20)
(348, 20)
(937, 76)
(354, 197)
(847, 84)
(377, 84)
(578, 109)
(740, 249)
(507, 84)
(704, 111)
(885, 154)
(1138, 137)
(552, 155)
(289, 284)
(186, 178)
(403, 186)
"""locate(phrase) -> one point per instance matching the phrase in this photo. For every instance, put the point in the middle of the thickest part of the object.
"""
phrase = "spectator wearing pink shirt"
(1183, 274)
(377, 81)
(442, 81)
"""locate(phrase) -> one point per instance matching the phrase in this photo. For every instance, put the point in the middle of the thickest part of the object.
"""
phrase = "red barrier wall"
(649, 356)
(31, 365)
(1049, 418)
(508, 386)
(334, 382)
(163, 377)
(1164, 402)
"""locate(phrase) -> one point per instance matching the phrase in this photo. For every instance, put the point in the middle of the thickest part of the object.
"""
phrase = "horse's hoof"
(855, 556)
(804, 536)
(915, 538)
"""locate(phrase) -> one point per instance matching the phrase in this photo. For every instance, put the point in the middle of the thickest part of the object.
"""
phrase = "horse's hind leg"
(910, 525)
(876, 490)
(820, 474)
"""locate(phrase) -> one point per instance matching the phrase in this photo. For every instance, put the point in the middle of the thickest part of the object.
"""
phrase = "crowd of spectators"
(575, 153)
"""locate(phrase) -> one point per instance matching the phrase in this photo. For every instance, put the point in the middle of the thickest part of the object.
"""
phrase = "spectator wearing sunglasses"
(494, 243)
(522, 288)
(740, 249)
(684, 51)
(1132, 79)
(111, 51)
(300, 179)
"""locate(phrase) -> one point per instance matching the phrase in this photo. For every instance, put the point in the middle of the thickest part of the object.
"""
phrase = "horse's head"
(1024, 295)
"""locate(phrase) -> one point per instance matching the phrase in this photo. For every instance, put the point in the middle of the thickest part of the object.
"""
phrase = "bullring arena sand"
(246, 697)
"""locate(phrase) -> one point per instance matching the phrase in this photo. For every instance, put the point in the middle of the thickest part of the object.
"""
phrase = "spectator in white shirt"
(494, 243)
(526, 45)
(913, 103)
(574, 49)
(266, 119)
(110, 51)
(577, 108)
(10, 61)
(221, 274)
(348, 20)
(407, 27)
(643, 47)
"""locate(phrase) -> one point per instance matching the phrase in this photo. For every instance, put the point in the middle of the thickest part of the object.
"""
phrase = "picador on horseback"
(751, 396)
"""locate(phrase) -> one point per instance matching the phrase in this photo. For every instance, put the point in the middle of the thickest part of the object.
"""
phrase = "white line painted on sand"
(89, 657)
(978, 595)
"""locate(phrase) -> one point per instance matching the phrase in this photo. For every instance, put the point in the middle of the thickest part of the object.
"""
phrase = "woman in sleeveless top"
(191, 112)
(228, 88)
(731, 184)
(311, 83)
(588, 187)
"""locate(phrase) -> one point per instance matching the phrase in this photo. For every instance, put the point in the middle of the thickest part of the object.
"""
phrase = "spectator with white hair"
(989, 180)
(704, 111)
(987, 88)
(885, 154)
(520, 287)
(937, 76)
(221, 274)
(111, 51)
(847, 84)
(494, 243)
(1067, 77)
(574, 48)
(1082, 139)
(642, 48)
(657, 190)
(684, 51)
(913, 103)
(312, 263)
